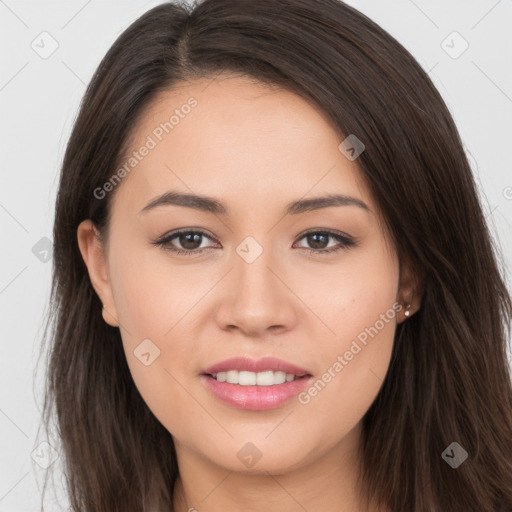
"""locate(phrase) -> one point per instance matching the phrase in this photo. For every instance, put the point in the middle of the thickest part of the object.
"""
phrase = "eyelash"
(164, 242)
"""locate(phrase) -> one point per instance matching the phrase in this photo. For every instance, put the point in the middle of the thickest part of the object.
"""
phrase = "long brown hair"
(448, 380)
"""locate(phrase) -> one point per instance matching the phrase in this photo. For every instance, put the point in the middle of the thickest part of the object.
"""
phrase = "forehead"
(235, 136)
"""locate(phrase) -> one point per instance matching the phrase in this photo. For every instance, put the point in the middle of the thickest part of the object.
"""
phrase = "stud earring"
(407, 312)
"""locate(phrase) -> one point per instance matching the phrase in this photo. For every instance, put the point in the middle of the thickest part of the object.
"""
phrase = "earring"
(407, 312)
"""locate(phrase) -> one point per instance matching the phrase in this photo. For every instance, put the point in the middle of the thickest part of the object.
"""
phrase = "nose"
(256, 298)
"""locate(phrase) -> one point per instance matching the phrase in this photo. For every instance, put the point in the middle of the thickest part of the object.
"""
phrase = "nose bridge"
(254, 280)
(257, 299)
(252, 269)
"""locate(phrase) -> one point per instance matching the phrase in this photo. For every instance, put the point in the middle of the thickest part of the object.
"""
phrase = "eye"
(190, 241)
(187, 238)
(319, 240)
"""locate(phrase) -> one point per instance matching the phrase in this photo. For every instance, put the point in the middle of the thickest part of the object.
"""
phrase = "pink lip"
(255, 398)
(250, 365)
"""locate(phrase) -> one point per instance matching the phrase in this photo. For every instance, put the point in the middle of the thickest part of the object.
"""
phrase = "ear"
(93, 254)
(410, 290)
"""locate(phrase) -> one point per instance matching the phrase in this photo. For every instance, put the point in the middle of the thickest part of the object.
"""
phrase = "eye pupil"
(313, 240)
(190, 238)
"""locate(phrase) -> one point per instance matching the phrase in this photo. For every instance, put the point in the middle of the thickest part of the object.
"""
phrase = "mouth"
(255, 385)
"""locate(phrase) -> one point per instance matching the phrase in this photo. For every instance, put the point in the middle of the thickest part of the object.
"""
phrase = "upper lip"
(253, 365)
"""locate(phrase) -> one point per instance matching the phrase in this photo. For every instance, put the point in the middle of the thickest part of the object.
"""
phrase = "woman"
(274, 288)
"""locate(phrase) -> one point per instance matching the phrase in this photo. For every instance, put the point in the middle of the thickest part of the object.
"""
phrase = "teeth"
(232, 377)
(243, 378)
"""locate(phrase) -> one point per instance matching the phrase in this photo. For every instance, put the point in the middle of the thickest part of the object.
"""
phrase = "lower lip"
(255, 398)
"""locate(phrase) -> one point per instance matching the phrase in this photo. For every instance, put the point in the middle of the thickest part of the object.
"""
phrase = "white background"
(39, 99)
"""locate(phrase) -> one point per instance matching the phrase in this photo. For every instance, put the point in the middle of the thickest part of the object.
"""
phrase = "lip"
(255, 398)
(251, 365)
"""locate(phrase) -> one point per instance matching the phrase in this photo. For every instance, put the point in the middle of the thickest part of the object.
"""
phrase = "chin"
(261, 458)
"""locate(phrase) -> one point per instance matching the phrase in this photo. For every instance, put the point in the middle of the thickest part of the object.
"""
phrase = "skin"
(255, 149)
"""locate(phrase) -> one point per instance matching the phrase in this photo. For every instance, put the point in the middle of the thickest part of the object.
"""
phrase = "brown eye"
(319, 241)
(189, 241)
(186, 242)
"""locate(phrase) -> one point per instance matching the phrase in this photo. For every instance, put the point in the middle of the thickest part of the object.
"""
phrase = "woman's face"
(246, 284)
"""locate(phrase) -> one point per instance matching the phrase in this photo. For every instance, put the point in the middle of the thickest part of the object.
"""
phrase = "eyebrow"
(212, 205)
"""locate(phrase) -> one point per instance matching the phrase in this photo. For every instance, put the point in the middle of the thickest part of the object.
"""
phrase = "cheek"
(151, 294)
(352, 296)
(351, 369)
(352, 363)
(152, 301)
